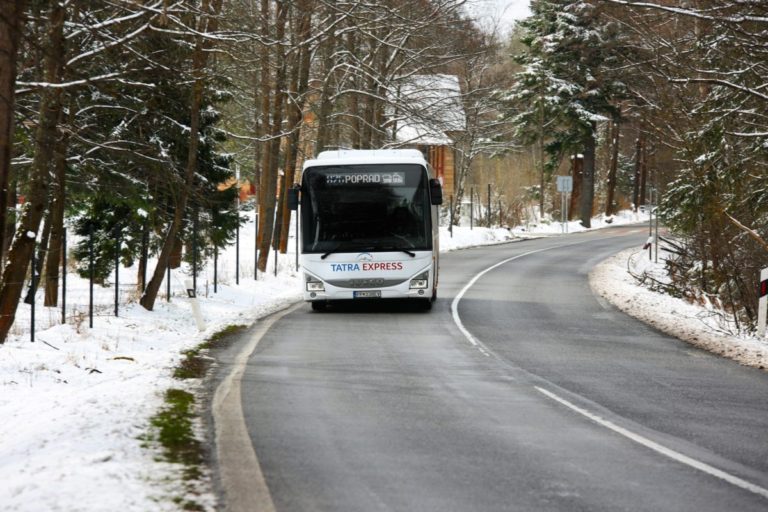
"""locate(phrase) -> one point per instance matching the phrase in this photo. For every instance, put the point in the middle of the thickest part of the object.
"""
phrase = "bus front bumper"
(402, 291)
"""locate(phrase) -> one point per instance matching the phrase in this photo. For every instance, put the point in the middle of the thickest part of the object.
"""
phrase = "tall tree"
(567, 78)
(302, 52)
(10, 31)
(207, 25)
(614, 134)
(269, 179)
(481, 130)
(700, 81)
(46, 134)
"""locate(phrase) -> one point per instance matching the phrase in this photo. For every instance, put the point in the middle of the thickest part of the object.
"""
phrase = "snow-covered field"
(76, 402)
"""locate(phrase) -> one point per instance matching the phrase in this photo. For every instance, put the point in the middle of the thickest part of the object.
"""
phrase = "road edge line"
(245, 488)
(658, 448)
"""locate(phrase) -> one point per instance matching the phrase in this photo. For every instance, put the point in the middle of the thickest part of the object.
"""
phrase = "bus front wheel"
(318, 305)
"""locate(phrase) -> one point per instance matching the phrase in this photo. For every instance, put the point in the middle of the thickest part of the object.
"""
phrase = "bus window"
(372, 207)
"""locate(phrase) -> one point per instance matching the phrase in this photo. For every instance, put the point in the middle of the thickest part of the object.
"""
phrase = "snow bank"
(696, 324)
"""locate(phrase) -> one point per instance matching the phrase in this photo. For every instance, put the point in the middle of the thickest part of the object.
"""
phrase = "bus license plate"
(367, 294)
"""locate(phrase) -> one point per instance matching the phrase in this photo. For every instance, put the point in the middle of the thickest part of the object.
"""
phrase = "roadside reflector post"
(192, 295)
(762, 303)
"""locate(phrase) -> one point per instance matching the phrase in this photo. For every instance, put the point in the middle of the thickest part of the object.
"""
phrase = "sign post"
(762, 303)
(565, 187)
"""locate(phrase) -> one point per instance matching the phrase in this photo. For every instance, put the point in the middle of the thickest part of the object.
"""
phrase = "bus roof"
(367, 156)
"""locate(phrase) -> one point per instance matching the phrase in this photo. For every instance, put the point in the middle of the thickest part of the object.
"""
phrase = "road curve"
(526, 394)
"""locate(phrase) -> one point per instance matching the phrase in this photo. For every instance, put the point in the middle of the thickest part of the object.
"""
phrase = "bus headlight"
(314, 285)
(420, 281)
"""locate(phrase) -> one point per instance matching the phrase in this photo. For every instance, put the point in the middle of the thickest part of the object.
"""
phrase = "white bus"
(369, 226)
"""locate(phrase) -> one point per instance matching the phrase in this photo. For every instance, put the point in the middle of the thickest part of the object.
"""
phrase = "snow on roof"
(429, 107)
(367, 156)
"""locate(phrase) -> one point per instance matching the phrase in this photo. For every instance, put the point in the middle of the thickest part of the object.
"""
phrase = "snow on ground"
(76, 402)
(699, 325)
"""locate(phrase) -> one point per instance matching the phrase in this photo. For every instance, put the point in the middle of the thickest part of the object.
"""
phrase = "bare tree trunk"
(258, 129)
(354, 100)
(280, 236)
(266, 91)
(610, 208)
(638, 166)
(577, 169)
(271, 181)
(643, 173)
(542, 164)
(267, 181)
(324, 117)
(37, 270)
(10, 30)
(378, 121)
(326, 103)
(54, 255)
(377, 118)
(208, 23)
(369, 112)
(299, 83)
(542, 178)
(10, 220)
(461, 172)
(23, 244)
(287, 182)
(588, 182)
(141, 274)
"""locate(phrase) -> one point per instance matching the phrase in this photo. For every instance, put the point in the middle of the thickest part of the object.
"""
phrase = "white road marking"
(603, 303)
(455, 303)
(244, 485)
(663, 450)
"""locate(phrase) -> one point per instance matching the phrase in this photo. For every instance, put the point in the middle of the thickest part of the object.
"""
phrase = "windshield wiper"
(395, 248)
(367, 247)
(335, 248)
(347, 245)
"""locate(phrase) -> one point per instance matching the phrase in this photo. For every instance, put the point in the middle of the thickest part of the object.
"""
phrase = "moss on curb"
(172, 427)
(195, 365)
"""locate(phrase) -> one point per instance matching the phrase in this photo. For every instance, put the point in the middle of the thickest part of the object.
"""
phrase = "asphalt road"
(526, 394)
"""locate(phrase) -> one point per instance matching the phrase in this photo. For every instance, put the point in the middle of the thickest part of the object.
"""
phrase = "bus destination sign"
(366, 178)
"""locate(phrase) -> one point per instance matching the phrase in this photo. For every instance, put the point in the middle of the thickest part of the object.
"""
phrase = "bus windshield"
(376, 207)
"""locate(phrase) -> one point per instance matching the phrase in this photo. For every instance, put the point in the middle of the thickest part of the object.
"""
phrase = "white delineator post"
(191, 293)
(762, 304)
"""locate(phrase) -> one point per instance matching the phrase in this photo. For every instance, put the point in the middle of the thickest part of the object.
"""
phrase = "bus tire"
(318, 305)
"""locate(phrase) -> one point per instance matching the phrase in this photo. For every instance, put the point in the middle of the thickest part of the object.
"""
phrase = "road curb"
(242, 481)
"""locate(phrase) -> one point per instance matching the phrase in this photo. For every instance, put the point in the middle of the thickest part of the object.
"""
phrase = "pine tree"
(565, 87)
(134, 142)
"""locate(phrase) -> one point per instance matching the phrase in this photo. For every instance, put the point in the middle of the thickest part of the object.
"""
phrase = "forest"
(139, 121)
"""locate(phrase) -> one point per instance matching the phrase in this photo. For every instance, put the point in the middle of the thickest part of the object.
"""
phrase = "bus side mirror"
(435, 191)
(293, 198)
